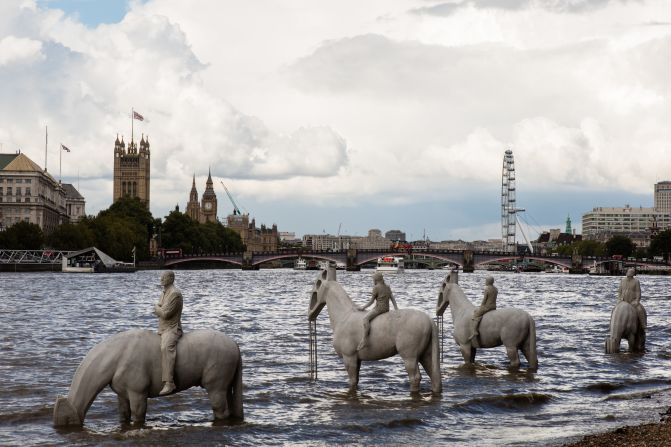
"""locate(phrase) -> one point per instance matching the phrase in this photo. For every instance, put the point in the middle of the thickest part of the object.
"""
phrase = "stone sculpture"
(130, 363)
(628, 318)
(139, 364)
(169, 313)
(410, 333)
(513, 328)
(488, 304)
(381, 297)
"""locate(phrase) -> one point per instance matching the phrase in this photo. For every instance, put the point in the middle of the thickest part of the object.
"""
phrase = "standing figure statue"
(488, 304)
(630, 291)
(169, 312)
(381, 296)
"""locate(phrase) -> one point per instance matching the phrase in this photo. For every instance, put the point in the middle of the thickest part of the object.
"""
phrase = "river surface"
(51, 320)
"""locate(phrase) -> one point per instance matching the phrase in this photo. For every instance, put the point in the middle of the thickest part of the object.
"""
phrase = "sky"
(320, 115)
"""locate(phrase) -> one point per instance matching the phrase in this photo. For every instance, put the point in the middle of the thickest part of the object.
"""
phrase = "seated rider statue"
(169, 312)
(488, 304)
(630, 291)
(381, 296)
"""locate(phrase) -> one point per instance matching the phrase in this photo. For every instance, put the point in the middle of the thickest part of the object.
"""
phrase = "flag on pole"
(137, 116)
(64, 148)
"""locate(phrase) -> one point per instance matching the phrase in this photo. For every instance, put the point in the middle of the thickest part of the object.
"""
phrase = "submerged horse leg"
(138, 406)
(468, 352)
(414, 376)
(353, 365)
(514, 356)
(219, 403)
(124, 409)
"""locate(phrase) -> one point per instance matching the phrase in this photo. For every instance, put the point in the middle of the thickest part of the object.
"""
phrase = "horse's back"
(200, 354)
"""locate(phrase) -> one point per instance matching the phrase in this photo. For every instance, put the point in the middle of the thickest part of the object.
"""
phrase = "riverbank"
(657, 434)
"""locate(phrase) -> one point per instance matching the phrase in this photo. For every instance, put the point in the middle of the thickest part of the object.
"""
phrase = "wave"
(508, 401)
(29, 415)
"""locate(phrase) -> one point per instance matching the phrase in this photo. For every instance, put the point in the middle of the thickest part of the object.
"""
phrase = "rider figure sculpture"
(630, 291)
(488, 304)
(381, 296)
(169, 312)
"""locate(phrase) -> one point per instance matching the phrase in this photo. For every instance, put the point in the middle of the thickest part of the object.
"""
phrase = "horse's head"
(317, 300)
(444, 293)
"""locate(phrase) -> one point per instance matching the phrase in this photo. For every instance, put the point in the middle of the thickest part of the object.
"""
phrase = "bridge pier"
(576, 264)
(248, 261)
(352, 265)
(468, 264)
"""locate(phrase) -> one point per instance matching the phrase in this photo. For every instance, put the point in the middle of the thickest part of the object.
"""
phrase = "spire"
(209, 176)
(193, 196)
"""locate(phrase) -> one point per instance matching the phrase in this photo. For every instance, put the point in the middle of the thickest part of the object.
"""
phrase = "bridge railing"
(32, 256)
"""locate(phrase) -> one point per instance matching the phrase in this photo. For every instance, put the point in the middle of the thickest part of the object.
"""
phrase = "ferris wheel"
(509, 210)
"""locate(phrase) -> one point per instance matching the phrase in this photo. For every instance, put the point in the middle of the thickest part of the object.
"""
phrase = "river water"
(52, 319)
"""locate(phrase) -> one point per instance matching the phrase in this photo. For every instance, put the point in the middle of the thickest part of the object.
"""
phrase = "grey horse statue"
(408, 332)
(513, 328)
(624, 323)
(130, 363)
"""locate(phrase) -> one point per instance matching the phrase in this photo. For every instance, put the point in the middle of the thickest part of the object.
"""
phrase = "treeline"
(660, 245)
(124, 225)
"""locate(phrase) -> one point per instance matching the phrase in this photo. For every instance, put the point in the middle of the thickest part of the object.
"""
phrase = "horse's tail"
(235, 392)
(436, 379)
(531, 344)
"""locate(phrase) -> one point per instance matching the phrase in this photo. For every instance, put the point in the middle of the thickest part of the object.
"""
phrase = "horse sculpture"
(624, 323)
(407, 332)
(513, 328)
(130, 363)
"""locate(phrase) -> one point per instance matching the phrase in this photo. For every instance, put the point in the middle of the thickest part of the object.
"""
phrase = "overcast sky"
(389, 114)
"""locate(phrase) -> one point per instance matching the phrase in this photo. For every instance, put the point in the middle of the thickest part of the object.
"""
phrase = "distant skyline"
(389, 114)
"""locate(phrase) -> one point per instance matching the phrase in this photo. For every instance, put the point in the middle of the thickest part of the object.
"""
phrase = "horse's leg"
(514, 356)
(219, 403)
(352, 364)
(412, 367)
(138, 406)
(631, 339)
(468, 352)
(124, 409)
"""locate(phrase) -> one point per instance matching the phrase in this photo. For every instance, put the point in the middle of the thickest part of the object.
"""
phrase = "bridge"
(354, 259)
(13, 260)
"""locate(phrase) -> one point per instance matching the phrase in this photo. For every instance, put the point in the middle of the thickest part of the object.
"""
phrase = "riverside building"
(663, 197)
(30, 194)
(131, 170)
(634, 222)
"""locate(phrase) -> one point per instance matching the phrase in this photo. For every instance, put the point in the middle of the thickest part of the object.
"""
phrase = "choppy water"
(51, 320)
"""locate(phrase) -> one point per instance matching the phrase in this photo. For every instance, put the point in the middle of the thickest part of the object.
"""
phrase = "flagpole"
(132, 120)
(60, 164)
(46, 143)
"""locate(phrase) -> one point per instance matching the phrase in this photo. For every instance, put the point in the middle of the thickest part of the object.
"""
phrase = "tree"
(660, 245)
(71, 237)
(620, 245)
(180, 231)
(22, 236)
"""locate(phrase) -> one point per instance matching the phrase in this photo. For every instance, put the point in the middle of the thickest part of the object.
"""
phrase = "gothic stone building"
(206, 210)
(131, 170)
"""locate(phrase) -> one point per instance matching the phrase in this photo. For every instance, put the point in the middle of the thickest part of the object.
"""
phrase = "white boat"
(390, 264)
(341, 266)
(300, 264)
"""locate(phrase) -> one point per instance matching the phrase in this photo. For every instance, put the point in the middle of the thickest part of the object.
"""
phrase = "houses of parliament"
(205, 210)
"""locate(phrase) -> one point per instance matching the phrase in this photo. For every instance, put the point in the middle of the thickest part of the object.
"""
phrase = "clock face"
(208, 205)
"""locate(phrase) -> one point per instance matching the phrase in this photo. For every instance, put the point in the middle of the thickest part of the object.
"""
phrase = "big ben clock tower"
(208, 207)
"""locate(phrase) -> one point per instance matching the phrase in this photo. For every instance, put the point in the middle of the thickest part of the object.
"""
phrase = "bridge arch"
(173, 262)
(324, 257)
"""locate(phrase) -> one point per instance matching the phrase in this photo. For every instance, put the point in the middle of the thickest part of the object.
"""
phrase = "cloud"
(83, 82)
(557, 6)
(16, 49)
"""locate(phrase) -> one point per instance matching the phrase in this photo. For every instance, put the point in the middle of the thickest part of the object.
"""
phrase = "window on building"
(27, 191)
(19, 180)
(18, 190)
(10, 180)
(134, 189)
(9, 190)
(0, 191)
(28, 180)
(27, 200)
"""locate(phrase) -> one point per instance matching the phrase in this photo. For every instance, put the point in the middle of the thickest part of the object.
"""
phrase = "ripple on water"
(52, 320)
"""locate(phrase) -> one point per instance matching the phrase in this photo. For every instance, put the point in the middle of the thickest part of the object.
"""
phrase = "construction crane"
(236, 210)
